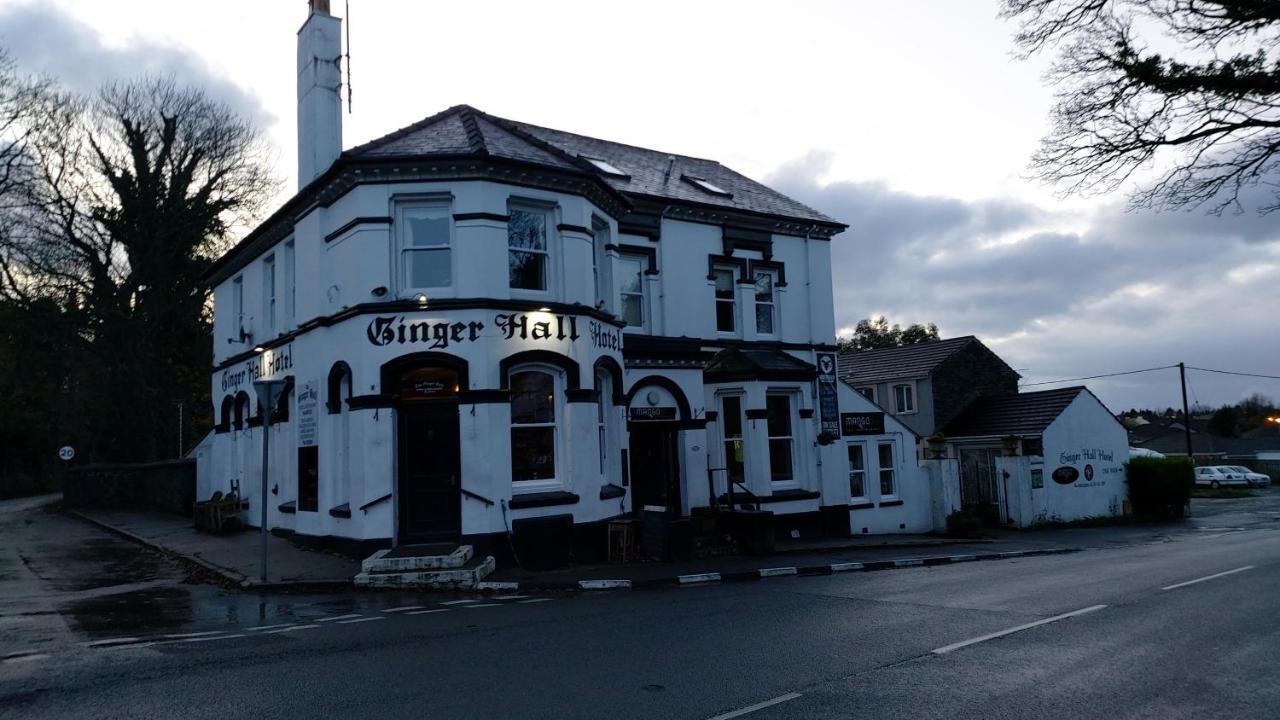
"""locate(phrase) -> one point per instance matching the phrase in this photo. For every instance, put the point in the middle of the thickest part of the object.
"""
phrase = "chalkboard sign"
(653, 413)
(862, 423)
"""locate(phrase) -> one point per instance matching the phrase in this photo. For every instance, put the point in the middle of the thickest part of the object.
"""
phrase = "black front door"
(430, 499)
(655, 469)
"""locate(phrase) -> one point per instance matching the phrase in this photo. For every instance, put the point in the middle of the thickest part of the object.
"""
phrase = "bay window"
(766, 315)
(781, 440)
(631, 269)
(528, 249)
(426, 254)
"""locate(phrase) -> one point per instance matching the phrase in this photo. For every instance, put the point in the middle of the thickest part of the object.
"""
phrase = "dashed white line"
(480, 605)
(112, 641)
(406, 608)
(992, 636)
(269, 627)
(510, 597)
(206, 639)
(291, 628)
(184, 636)
(758, 706)
(533, 600)
(358, 620)
(32, 657)
(428, 612)
(338, 618)
(458, 602)
(1207, 577)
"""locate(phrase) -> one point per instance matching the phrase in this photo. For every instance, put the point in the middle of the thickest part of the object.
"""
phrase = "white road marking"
(480, 605)
(112, 641)
(699, 578)
(359, 620)
(206, 639)
(909, 562)
(183, 636)
(974, 641)
(758, 706)
(604, 584)
(510, 597)
(458, 602)
(406, 608)
(845, 567)
(26, 658)
(338, 618)
(1207, 577)
(534, 600)
(775, 572)
(428, 612)
(290, 628)
(963, 558)
(268, 627)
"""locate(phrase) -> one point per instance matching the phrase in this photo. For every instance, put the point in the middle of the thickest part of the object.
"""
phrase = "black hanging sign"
(871, 423)
(828, 402)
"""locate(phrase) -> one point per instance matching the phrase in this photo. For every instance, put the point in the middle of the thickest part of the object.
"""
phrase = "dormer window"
(605, 166)
(708, 186)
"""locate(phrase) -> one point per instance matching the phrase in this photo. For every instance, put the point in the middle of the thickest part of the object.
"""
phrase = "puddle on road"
(102, 562)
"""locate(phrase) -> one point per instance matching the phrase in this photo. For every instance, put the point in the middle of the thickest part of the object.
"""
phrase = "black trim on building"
(364, 402)
(711, 415)
(666, 383)
(582, 395)
(288, 508)
(333, 401)
(714, 260)
(614, 370)
(735, 238)
(650, 254)
(806, 413)
(342, 511)
(566, 227)
(547, 357)
(891, 503)
(642, 224)
(543, 499)
(484, 397)
(757, 414)
(392, 369)
(862, 506)
(781, 268)
(354, 223)
(609, 491)
(495, 217)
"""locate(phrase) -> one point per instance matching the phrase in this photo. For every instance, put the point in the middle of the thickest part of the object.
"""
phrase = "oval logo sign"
(1088, 473)
(1065, 475)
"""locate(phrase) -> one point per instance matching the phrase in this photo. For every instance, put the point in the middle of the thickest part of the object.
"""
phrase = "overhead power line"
(1229, 372)
(1105, 375)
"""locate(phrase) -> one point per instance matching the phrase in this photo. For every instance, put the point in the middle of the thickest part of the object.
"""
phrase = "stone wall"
(970, 373)
(168, 486)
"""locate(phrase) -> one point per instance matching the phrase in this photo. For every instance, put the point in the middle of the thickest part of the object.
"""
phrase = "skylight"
(708, 186)
(604, 166)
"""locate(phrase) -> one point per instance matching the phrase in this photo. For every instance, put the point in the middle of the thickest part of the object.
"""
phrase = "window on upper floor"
(600, 263)
(726, 284)
(269, 295)
(425, 231)
(535, 393)
(766, 303)
(904, 398)
(290, 285)
(528, 248)
(631, 267)
(868, 392)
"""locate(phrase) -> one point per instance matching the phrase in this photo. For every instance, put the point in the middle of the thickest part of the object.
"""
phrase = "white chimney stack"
(319, 82)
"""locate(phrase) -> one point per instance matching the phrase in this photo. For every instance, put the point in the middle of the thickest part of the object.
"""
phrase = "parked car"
(1216, 476)
(1256, 479)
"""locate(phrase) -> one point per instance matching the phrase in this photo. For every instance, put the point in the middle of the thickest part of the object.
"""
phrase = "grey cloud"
(1128, 290)
(46, 40)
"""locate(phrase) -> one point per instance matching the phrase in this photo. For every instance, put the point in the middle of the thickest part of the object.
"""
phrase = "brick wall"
(168, 486)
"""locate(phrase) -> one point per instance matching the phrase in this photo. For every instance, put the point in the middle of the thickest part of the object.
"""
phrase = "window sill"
(288, 508)
(609, 491)
(891, 502)
(788, 496)
(861, 504)
(545, 498)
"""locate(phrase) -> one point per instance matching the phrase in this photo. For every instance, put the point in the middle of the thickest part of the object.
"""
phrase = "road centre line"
(184, 636)
(427, 612)
(458, 602)
(534, 600)
(290, 628)
(205, 639)
(992, 636)
(338, 617)
(406, 608)
(1207, 577)
(269, 627)
(359, 620)
(482, 605)
(112, 641)
(25, 658)
(758, 706)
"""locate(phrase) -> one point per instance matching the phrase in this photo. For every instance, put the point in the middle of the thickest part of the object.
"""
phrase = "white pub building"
(490, 328)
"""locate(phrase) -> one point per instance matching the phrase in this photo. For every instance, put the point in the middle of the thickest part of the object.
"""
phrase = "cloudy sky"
(910, 121)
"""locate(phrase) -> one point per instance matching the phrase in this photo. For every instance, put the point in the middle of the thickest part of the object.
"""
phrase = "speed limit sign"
(66, 453)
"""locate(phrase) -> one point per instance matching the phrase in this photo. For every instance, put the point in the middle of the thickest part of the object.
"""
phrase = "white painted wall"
(1087, 437)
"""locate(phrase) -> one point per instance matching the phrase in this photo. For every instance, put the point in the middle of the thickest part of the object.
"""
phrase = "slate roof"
(754, 363)
(1022, 414)
(900, 363)
(1170, 440)
(463, 130)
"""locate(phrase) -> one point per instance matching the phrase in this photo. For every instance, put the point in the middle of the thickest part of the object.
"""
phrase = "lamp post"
(268, 393)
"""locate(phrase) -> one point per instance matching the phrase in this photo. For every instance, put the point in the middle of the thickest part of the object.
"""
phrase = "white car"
(1216, 476)
(1256, 479)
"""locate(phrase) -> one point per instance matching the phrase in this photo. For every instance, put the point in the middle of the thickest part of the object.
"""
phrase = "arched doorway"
(429, 468)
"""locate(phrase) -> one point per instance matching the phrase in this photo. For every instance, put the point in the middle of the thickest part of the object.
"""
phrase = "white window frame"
(269, 295)
(741, 438)
(290, 285)
(793, 408)
(775, 316)
(623, 258)
(892, 469)
(559, 459)
(404, 248)
(601, 267)
(864, 471)
(732, 300)
(604, 425)
(897, 406)
(237, 309)
(551, 234)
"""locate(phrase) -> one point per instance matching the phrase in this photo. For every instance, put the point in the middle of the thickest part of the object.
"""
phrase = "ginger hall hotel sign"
(503, 329)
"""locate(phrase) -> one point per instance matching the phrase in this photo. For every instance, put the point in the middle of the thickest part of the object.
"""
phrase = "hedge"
(1160, 486)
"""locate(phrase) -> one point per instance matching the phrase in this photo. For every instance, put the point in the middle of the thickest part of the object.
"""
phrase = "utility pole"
(1186, 414)
(181, 406)
(268, 393)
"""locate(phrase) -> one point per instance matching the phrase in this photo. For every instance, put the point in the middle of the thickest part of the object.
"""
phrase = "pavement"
(1181, 624)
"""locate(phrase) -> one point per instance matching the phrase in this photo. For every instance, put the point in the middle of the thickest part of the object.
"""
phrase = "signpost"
(828, 402)
(268, 393)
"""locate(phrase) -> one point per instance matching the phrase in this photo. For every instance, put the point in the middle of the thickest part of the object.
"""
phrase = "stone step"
(466, 577)
(412, 558)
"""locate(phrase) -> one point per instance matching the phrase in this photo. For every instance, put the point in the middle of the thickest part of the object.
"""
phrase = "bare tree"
(1205, 121)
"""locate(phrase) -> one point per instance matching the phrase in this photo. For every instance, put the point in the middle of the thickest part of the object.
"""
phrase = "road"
(1187, 626)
